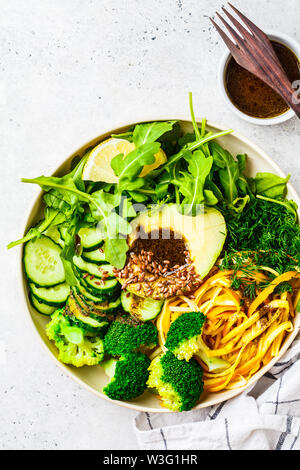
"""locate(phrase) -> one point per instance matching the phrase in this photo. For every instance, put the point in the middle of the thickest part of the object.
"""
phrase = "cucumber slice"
(99, 286)
(55, 296)
(97, 309)
(95, 256)
(81, 301)
(126, 299)
(142, 308)
(93, 269)
(76, 311)
(42, 262)
(54, 234)
(90, 238)
(106, 307)
(88, 296)
(41, 307)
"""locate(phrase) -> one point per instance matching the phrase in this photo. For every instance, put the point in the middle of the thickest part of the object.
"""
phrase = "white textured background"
(68, 70)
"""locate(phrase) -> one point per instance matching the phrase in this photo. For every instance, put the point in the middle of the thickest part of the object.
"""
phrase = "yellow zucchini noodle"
(246, 335)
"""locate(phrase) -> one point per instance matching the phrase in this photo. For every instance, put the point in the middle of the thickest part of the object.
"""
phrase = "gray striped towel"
(264, 417)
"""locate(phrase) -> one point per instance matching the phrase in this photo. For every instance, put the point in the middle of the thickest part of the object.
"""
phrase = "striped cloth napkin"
(264, 417)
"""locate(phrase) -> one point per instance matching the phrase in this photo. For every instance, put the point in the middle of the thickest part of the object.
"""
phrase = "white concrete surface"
(70, 69)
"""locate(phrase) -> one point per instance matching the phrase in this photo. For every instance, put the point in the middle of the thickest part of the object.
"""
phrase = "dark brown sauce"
(164, 244)
(251, 95)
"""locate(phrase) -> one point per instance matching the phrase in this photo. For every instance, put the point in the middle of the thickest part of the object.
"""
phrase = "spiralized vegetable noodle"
(246, 336)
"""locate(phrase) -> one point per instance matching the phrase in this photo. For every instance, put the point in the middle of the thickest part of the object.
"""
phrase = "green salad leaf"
(150, 132)
(191, 183)
(128, 168)
(69, 250)
(228, 173)
(270, 185)
(199, 170)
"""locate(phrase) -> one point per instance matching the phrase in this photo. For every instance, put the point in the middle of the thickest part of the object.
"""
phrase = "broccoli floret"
(179, 383)
(184, 334)
(124, 336)
(76, 345)
(184, 339)
(129, 375)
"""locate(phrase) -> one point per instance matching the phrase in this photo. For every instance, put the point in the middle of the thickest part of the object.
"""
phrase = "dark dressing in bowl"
(254, 97)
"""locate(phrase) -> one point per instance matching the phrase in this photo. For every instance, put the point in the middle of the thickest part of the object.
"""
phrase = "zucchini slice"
(93, 269)
(42, 262)
(41, 307)
(90, 238)
(55, 296)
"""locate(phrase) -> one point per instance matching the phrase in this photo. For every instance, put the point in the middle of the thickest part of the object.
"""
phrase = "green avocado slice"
(203, 236)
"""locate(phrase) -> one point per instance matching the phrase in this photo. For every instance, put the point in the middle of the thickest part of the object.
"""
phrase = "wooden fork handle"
(285, 89)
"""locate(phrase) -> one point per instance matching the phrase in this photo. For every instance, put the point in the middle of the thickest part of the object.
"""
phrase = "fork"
(253, 50)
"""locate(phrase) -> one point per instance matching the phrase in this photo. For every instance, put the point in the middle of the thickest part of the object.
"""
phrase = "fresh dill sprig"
(267, 231)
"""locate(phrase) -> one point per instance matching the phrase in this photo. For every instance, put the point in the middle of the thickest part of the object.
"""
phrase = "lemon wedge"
(97, 167)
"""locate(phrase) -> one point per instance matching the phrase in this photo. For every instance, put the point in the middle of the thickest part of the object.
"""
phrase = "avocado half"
(203, 236)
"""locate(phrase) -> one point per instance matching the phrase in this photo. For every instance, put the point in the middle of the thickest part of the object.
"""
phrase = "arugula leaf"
(270, 185)
(65, 186)
(162, 183)
(76, 173)
(101, 203)
(190, 147)
(63, 197)
(116, 249)
(69, 251)
(125, 135)
(128, 168)
(37, 230)
(150, 132)
(229, 171)
(138, 196)
(126, 208)
(187, 139)
(211, 186)
(102, 206)
(195, 125)
(242, 159)
(191, 184)
(70, 187)
(209, 198)
(55, 200)
(58, 219)
(243, 181)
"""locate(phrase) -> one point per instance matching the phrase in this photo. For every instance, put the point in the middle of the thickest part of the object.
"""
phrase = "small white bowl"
(275, 36)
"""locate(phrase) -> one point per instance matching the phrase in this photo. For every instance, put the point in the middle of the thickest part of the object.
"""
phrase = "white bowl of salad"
(160, 264)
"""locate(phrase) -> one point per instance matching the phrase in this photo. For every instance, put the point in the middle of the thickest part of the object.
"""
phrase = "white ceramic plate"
(93, 378)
